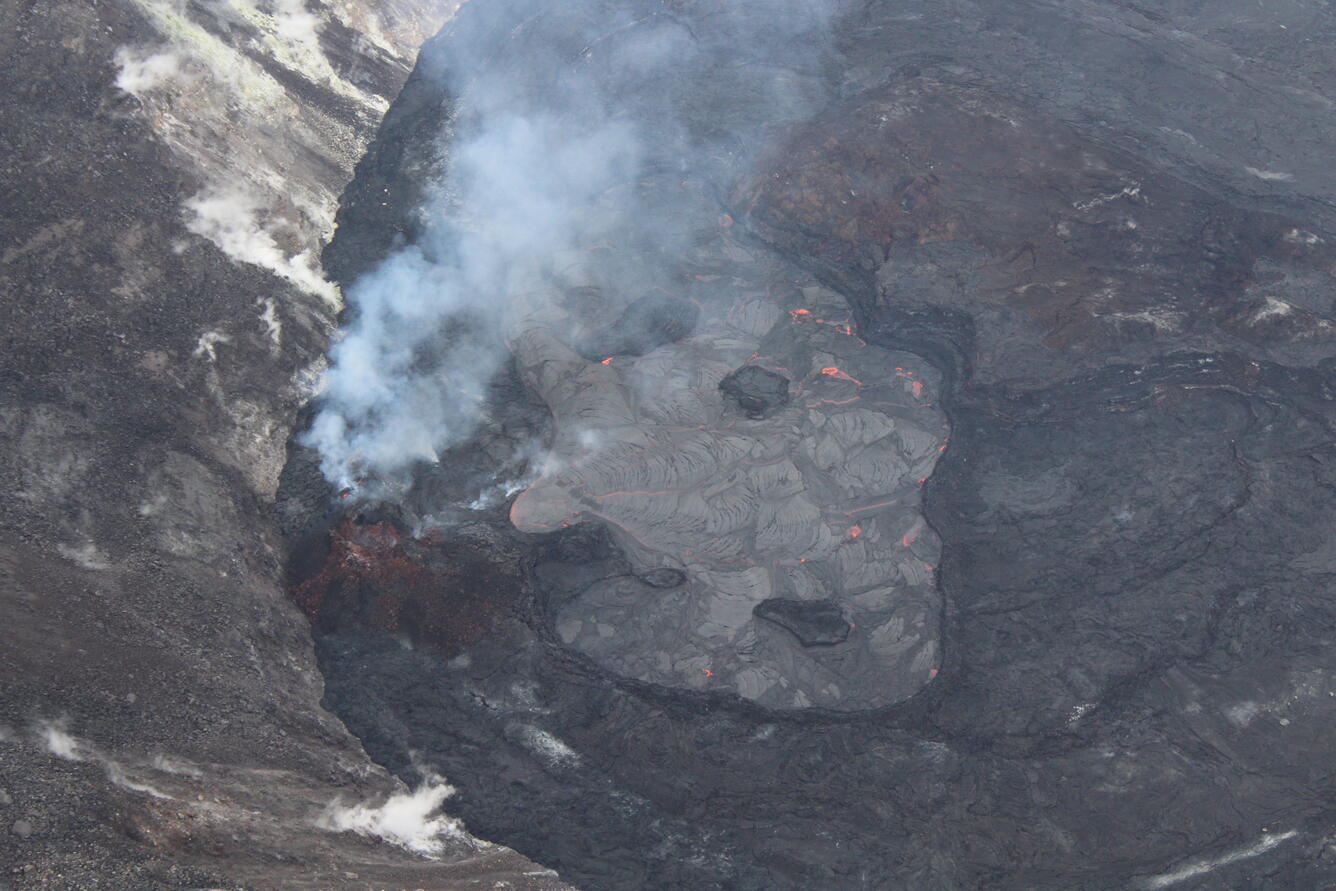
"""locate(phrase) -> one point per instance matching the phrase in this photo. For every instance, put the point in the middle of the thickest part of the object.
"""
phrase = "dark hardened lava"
(1136, 507)
(757, 391)
(815, 623)
(650, 321)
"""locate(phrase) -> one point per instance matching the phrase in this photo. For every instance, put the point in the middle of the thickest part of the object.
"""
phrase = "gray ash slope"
(1109, 228)
(160, 719)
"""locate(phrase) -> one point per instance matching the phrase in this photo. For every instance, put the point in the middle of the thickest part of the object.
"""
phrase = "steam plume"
(544, 128)
(411, 820)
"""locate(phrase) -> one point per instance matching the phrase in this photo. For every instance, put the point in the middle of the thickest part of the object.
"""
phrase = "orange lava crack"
(832, 371)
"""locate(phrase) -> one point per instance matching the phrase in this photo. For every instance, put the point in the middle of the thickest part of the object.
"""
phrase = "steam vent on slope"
(784, 444)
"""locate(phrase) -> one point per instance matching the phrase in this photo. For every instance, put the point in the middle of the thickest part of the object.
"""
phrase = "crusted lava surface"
(1126, 318)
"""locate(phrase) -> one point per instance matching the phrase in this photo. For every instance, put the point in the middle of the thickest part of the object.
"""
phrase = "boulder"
(757, 392)
(816, 623)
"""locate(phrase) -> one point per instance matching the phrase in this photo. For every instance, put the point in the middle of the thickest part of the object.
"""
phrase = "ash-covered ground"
(1096, 235)
(169, 172)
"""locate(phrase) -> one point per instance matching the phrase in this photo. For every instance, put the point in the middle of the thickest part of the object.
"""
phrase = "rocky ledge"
(170, 171)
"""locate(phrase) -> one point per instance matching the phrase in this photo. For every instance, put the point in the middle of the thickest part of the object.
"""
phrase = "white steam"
(218, 80)
(536, 144)
(86, 555)
(398, 390)
(53, 736)
(164, 764)
(497, 493)
(59, 743)
(141, 72)
(411, 820)
(231, 217)
(295, 22)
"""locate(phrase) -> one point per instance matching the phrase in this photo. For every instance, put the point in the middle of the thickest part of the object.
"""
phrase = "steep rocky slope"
(169, 173)
(1108, 228)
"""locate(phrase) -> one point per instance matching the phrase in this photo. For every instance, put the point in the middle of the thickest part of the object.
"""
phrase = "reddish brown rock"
(950, 198)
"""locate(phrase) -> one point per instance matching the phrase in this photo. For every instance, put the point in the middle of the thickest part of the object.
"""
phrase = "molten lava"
(832, 371)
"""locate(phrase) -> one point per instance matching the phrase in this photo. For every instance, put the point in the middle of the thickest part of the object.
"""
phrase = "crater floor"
(1103, 226)
(816, 503)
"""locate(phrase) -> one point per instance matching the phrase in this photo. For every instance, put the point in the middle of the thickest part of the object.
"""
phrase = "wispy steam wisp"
(538, 138)
(407, 379)
(411, 820)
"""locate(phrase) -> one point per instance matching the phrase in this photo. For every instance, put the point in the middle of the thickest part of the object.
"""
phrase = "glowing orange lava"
(878, 506)
(607, 361)
(918, 388)
(707, 672)
(832, 371)
(799, 314)
(855, 531)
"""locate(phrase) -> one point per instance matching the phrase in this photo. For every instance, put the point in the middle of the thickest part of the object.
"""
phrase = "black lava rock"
(758, 392)
(663, 577)
(651, 321)
(816, 623)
